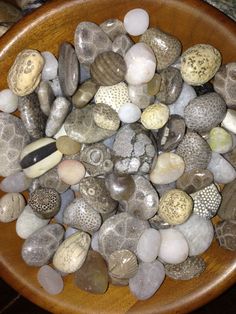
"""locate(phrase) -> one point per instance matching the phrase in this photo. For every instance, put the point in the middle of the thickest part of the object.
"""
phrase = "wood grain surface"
(192, 21)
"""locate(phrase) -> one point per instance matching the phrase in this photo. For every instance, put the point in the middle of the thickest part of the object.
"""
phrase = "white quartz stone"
(56, 87)
(50, 68)
(129, 113)
(141, 64)
(222, 170)
(149, 245)
(50, 280)
(136, 22)
(229, 122)
(8, 101)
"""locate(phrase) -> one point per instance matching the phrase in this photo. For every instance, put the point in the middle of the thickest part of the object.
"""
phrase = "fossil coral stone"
(226, 234)
(175, 207)
(13, 138)
(195, 151)
(105, 117)
(227, 210)
(84, 93)
(25, 73)
(199, 64)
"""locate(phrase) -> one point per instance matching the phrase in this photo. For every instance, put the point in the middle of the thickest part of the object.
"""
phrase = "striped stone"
(108, 68)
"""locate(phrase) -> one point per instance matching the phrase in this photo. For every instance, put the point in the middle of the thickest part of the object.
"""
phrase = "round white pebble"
(71, 171)
(50, 68)
(136, 22)
(50, 280)
(8, 101)
(129, 113)
(149, 245)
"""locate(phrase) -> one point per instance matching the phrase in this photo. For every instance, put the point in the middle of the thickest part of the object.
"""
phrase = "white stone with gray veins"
(39, 247)
(82, 216)
(13, 138)
(89, 41)
(121, 231)
(143, 203)
(133, 150)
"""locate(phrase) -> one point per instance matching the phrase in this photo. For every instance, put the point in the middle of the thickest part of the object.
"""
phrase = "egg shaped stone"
(11, 206)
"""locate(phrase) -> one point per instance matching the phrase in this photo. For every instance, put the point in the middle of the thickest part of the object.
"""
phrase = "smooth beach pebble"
(67, 146)
(50, 67)
(71, 171)
(45, 97)
(84, 93)
(11, 206)
(129, 113)
(8, 101)
(72, 252)
(227, 210)
(147, 280)
(226, 234)
(149, 245)
(121, 44)
(154, 85)
(167, 168)
(17, 182)
(105, 117)
(50, 280)
(120, 187)
(220, 140)
(25, 73)
(141, 64)
(113, 28)
(155, 116)
(136, 22)
(50, 179)
(139, 96)
(199, 64)
(67, 198)
(229, 121)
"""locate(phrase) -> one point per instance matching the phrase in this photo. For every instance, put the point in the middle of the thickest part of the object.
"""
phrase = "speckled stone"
(205, 112)
(89, 41)
(45, 202)
(11, 206)
(113, 28)
(105, 117)
(93, 275)
(166, 47)
(120, 187)
(224, 83)
(121, 231)
(199, 64)
(13, 138)
(226, 234)
(155, 116)
(134, 150)
(195, 151)
(51, 180)
(227, 210)
(139, 96)
(192, 267)
(136, 21)
(171, 86)
(67, 146)
(17, 182)
(195, 180)
(81, 127)
(40, 246)
(114, 96)
(95, 193)
(45, 97)
(25, 73)
(97, 159)
(121, 44)
(84, 93)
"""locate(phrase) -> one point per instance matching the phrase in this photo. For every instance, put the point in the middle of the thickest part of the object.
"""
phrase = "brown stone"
(227, 209)
(226, 234)
(9, 13)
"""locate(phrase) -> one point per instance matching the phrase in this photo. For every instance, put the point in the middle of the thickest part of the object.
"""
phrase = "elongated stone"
(17, 182)
(84, 93)
(50, 67)
(227, 210)
(45, 96)
(105, 117)
(67, 197)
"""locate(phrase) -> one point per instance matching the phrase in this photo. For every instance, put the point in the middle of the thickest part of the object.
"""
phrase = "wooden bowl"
(192, 21)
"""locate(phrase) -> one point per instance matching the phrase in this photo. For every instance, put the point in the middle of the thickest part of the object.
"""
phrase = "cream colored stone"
(25, 73)
(72, 253)
(11, 206)
(155, 116)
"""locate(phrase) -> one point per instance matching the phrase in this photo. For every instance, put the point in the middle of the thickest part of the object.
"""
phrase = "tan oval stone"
(11, 206)
(155, 116)
(25, 73)
(67, 146)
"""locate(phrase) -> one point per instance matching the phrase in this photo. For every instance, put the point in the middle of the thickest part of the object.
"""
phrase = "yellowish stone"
(67, 146)
(155, 116)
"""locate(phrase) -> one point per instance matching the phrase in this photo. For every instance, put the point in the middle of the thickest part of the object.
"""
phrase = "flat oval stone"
(143, 203)
(113, 28)
(27, 223)
(149, 245)
(199, 64)
(93, 275)
(122, 264)
(68, 69)
(147, 280)
(72, 252)
(194, 180)
(220, 140)
(81, 127)
(120, 187)
(141, 64)
(45, 97)
(129, 113)
(224, 83)
(50, 280)
(121, 231)
(108, 68)
(89, 41)
(17, 182)
(166, 47)
(192, 267)
(39, 247)
(13, 139)
(195, 151)
(95, 193)
(198, 232)
(167, 168)
(32, 115)
(67, 146)
(121, 44)
(8, 101)
(229, 121)
(25, 73)
(51, 180)
(45, 202)
(205, 112)
(105, 117)
(171, 86)
(50, 67)
(136, 21)
(227, 210)
(82, 216)
(11, 206)
(139, 96)
(226, 234)
(97, 159)
(155, 116)
(84, 93)
(71, 171)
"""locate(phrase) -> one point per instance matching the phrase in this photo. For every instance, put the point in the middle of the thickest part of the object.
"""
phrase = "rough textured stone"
(226, 234)
(227, 210)
(11, 206)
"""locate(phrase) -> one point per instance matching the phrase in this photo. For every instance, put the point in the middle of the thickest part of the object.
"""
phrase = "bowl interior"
(192, 21)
